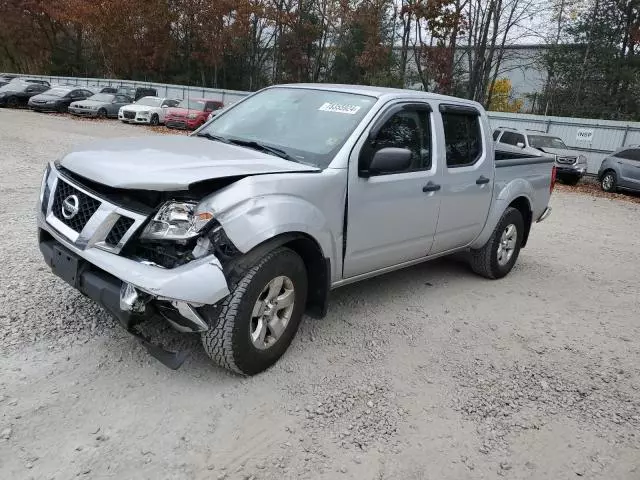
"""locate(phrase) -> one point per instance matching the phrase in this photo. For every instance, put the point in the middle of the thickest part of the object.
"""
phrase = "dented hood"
(172, 162)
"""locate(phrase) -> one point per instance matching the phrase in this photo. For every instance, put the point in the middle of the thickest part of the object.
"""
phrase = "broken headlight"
(177, 221)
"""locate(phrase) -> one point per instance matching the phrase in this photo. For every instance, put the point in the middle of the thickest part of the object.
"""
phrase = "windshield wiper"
(215, 138)
(265, 148)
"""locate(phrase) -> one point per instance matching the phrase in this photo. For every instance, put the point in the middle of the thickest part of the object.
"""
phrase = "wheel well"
(522, 205)
(604, 172)
(318, 267)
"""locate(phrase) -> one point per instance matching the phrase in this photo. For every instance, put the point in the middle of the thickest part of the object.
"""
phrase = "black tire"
(570, 179)
(484, 261)
(609, 181)
(155, 120)
(12, 102)
(61, 109)
(102, 113)
(228, 341)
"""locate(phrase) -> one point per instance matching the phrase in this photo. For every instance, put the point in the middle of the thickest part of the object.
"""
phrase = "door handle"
(482, 180)
(431, 187)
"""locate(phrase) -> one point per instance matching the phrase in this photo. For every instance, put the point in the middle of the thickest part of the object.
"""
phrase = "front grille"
(118, 231)
(129, 115)
(567, 160)
(87, 206)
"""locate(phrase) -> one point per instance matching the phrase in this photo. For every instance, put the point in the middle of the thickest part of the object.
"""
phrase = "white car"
(149, 110)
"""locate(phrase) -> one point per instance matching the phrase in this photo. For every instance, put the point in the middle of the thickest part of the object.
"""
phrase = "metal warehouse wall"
(228, 97)
(594, 138)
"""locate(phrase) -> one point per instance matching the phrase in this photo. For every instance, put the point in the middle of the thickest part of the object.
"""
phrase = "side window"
(408, 129)
(629, 154)
(508, 138)
(463, 139)
(122, 99)
(496, 134)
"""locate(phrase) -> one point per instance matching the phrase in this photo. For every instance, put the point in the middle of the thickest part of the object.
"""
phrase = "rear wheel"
(155, 120)
(609, 181)
(253, 327)
(498, 256)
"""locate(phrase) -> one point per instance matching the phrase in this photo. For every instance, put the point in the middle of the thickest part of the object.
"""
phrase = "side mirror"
(520, 145)
(389, 160)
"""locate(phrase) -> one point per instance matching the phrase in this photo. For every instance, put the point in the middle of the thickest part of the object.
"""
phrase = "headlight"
(582, 159)
(193, 115)
(177, 221)
(51, 102)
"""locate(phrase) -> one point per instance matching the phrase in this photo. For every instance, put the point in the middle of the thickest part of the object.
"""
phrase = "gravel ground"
(427, 373)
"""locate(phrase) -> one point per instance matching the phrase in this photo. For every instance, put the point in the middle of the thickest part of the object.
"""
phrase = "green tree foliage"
(598, 73)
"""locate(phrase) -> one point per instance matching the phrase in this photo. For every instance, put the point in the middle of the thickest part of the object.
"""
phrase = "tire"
(61, 109)
(485, 262)
(609, 181)
(102, 113)
(229, 341)
(12, 102)
(155, 120)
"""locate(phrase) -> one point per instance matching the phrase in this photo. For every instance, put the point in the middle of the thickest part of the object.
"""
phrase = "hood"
(561, 152)
(169, 163)
(184, 111)
(89, 103)
(45, 97)
(138, 108)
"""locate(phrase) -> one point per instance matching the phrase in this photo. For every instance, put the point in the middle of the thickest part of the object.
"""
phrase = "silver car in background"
(571, 166)
(101, 105)
(621, 170)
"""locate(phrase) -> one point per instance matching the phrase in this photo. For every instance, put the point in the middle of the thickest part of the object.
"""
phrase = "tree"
(502, 99)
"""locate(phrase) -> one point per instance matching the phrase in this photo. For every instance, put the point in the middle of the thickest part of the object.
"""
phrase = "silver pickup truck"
(239, 229)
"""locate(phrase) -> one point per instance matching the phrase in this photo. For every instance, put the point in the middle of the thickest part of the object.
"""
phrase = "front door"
(467, 179)
(392, 216)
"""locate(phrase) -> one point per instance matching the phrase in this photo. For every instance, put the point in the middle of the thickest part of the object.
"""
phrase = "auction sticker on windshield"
(339, 108)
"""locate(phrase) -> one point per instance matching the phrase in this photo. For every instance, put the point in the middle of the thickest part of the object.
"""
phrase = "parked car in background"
(571, 165)
(621, 170)
(137, 93)
(6, 78)
(18, 92)
(237, 231)
(100, 105)
(58, 99)
(191, 113)
(149, 110)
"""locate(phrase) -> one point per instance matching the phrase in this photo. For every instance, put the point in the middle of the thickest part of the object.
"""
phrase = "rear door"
(467, 179)
(392, 216)
(629, 163)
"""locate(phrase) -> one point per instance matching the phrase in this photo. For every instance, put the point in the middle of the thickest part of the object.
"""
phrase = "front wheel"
(12, 102)
(498, 256)
(155, 120)
(609, 182)
(253, 326)
(102, 113)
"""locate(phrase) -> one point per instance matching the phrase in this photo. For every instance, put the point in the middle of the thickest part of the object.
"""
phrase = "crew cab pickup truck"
(237, 230)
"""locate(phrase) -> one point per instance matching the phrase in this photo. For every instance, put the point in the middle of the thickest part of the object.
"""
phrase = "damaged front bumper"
(130, 290)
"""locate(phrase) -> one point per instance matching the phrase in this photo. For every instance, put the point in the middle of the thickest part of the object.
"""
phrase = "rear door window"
(463, 138)
(629, 154)
(512, 138)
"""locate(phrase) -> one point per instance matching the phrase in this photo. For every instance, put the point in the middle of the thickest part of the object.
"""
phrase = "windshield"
(58, 92)
(149, 101)
(544, 141)
(102, 97)
(192, 105)
(309, 125)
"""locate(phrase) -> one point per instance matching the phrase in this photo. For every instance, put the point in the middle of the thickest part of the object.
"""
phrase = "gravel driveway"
(427, 373)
